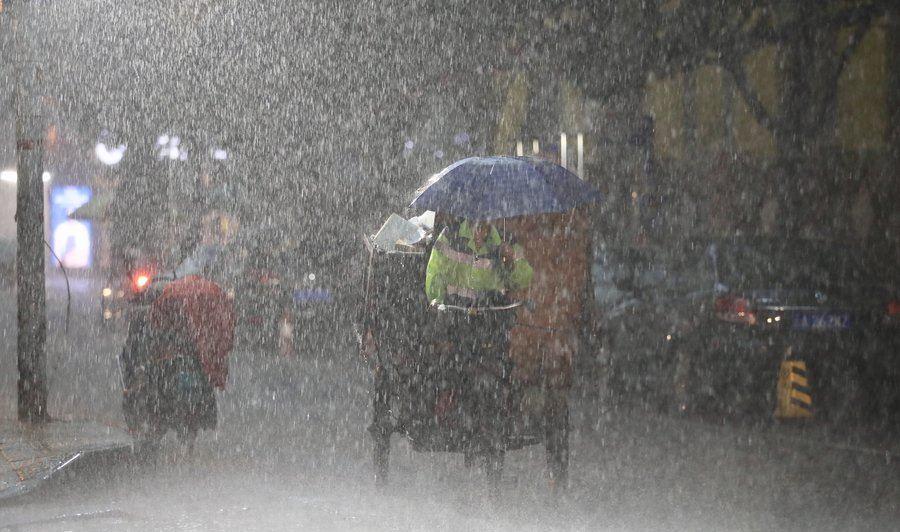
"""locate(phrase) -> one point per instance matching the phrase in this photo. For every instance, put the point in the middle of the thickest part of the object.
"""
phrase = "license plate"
(318, 295)
(821, 321)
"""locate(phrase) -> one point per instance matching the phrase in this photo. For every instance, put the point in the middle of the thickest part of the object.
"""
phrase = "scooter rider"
(472, 269)
(176, 355)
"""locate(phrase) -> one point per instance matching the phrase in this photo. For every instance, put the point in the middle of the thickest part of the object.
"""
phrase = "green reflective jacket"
(457, 267)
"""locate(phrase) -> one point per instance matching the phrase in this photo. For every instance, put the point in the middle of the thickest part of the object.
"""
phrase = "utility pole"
(893, 49)
(31, 296)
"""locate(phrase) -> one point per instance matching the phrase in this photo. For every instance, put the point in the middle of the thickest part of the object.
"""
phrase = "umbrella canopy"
(204, 309)
(487, 188)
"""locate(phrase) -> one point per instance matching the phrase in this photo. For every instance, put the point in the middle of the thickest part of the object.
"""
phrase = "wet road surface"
(292, 452)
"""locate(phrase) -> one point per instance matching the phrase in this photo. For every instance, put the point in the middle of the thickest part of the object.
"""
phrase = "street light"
(169, 147)
(110, 156)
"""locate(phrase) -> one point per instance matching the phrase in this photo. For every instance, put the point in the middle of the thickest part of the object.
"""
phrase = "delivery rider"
(471, 266)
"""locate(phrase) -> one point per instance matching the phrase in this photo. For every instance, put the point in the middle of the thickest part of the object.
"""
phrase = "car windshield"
(795, 263)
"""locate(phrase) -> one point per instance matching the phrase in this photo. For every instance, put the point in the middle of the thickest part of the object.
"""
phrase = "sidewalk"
(31, 455)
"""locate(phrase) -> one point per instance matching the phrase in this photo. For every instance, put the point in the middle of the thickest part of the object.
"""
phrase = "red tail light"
(141, 280)
(735, 310)
(893, 309)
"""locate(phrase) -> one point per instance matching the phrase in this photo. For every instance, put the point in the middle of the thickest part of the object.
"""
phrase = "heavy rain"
(449, 265)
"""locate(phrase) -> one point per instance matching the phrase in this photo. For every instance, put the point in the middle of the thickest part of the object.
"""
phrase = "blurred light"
(535, 147)
(11, 176)
(168, 148)
(219, 154)
(107, 292)
(563, 150)
(312, 277)
(107, 314)
(70, 238)
(439, 154)
(520, 150)
(735, 310)
(409, 144)
(141, 281)
(461, 139)
(110, 156)
(579, 146)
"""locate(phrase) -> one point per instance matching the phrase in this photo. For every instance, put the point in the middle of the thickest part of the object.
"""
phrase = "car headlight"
(107, 292)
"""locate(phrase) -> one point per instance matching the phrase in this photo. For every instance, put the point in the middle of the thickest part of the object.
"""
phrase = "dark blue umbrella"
(487, 188)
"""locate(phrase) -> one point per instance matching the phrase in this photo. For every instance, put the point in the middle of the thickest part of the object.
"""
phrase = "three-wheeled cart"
(442, 397)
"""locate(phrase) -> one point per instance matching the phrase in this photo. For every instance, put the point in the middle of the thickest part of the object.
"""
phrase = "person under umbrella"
(472, 270)
(472, 273)
(471, 266)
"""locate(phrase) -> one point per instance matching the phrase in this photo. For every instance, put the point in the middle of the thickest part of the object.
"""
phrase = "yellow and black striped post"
(794, 392)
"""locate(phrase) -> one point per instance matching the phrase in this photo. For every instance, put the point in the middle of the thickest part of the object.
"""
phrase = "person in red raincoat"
(180, 356)
(200, 310)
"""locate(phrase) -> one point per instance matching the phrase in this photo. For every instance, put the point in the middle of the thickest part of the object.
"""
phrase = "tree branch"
(754, 104)
(859, 14)
(851, 47)
(829, 98)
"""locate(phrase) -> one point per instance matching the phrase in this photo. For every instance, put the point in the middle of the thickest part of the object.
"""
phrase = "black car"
(751, 326)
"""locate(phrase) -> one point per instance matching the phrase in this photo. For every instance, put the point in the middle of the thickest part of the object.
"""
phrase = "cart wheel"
(493, 469)
(381, 428)
(557, 445)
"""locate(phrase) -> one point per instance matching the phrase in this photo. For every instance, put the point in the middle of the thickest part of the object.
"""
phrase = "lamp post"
(30, 292)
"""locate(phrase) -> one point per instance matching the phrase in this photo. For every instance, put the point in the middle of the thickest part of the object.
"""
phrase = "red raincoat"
(208, 315)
